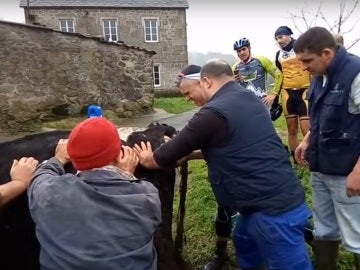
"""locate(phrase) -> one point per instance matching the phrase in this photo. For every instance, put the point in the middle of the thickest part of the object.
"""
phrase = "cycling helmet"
(276, 109)
(241, 43)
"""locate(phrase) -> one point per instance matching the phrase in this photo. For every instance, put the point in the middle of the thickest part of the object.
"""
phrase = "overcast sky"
(214, 25)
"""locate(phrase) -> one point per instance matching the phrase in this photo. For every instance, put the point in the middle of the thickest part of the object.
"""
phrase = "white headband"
(194, 76)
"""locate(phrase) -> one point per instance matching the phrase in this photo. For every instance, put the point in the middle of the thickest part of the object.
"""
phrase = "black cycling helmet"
(242, 42)
(276, 109)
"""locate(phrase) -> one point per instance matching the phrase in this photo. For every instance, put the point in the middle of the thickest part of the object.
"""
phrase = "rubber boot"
(326, 254)
(220, 256)
(357, 261)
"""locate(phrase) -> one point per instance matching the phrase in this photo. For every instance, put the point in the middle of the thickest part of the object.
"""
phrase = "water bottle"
(94, 111)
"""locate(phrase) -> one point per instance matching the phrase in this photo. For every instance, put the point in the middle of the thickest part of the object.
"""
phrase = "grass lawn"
(201, 205)
(174, 105)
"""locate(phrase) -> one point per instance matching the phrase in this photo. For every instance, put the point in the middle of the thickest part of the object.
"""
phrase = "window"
(67, 26)
(110, 30)
(151, 30)
(156, 75)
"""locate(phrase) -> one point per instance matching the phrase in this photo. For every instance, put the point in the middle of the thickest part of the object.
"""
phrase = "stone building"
(157, 25)
(48, 74)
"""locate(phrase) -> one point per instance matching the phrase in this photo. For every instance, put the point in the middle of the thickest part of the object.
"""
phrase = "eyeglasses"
(194, 76)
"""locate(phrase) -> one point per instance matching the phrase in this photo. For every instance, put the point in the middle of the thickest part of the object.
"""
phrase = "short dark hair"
(216, 68)
(315, 40)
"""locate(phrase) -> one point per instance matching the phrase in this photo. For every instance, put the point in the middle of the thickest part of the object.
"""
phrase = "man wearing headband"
(248, 169)
(190, 75)
(295, 84)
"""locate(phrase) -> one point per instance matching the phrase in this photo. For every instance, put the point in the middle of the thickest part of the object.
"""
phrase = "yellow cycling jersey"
(294, 76)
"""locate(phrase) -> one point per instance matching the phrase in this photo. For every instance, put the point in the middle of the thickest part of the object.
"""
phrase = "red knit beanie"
(93, 143)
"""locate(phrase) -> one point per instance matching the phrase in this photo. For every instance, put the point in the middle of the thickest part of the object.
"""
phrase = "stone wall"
(171, 50)
(48, 74)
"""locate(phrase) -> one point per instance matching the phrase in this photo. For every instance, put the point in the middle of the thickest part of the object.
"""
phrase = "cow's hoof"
(217, 261)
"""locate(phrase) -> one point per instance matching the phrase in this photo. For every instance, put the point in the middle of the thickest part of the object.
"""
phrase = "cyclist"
(251, 72)
(296, 82)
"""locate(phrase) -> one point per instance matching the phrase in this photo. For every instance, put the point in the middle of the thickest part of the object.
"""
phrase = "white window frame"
(111, 34)
(151, 28)
(67, 20)
(158, 66)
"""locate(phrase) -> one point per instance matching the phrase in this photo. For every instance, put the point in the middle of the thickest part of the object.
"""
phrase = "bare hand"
(300, 153)
(269, 99)
(128, 160)
(61, 153)
(239, 78)
(144, 152)
(23, 170)
(353, 184)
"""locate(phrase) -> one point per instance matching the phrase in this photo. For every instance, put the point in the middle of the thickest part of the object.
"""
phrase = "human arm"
(271, 69)
(300, 151)
(21, 174)
(206, 128)
(50, 169)
(353, 179)
(277, 62)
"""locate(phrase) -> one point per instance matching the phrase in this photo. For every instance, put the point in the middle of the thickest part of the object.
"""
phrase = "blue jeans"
(276, 241)
(336, 216)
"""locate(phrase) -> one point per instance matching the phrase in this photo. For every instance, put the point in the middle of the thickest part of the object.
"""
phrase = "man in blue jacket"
(248, 168)
(332, 146)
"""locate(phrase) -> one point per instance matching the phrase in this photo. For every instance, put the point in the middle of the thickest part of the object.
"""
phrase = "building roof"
(106, 3)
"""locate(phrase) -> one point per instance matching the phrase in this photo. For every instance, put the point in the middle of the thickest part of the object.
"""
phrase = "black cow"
(19, 248)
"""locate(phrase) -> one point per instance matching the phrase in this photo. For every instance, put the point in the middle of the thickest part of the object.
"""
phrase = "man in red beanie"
(101, 218)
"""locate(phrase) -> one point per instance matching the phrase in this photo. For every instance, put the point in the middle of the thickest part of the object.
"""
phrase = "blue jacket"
(335, 133)
(252, 171)
(97, 220)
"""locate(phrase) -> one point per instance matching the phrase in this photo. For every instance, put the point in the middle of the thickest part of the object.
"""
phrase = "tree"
(344, 22)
